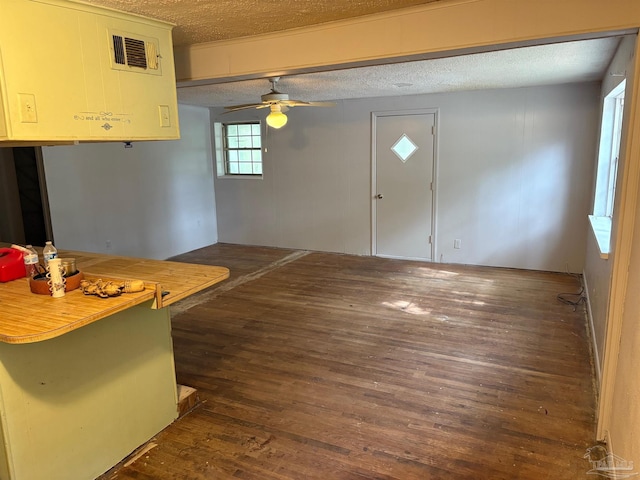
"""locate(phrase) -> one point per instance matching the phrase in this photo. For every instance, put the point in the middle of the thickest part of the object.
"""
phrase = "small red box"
(11, 264)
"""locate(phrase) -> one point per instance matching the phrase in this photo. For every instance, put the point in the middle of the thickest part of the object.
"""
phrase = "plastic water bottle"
(49, 252)
(31, 262)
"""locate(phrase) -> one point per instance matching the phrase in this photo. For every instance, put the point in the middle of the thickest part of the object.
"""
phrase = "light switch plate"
(165, 116)
(28, 113)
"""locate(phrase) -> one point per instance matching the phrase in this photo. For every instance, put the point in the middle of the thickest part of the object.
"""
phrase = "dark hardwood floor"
(326, 366)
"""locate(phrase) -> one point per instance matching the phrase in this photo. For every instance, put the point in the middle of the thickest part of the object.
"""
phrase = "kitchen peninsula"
(85, 380)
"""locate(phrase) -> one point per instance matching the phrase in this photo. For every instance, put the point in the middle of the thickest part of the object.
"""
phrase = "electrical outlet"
(108, 244)
(457, 243)
(28, 112)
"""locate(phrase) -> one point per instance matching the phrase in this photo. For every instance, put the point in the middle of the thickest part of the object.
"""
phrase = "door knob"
(379, 196)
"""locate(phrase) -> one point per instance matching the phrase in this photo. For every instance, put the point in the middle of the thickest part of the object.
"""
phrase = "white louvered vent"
(152, 55)
(141, 54)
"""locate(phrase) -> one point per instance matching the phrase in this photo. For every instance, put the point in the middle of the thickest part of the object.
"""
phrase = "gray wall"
(154, 200)
(514, 177)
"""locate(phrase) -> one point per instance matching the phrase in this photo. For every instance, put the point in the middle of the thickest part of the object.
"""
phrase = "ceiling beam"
(432, 30)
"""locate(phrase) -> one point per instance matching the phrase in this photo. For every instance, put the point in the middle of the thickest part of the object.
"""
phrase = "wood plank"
(343, 367)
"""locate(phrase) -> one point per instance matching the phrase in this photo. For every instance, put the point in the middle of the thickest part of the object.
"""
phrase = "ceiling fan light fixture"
(276, 119)
(278, 103)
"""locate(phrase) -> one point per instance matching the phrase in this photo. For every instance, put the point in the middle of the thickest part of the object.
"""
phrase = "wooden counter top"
(26, 317)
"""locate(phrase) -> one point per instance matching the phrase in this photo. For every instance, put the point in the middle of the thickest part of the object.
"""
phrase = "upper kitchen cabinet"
(74, 72)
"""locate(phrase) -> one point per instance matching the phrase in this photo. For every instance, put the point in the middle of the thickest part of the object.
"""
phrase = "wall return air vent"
(135, 54)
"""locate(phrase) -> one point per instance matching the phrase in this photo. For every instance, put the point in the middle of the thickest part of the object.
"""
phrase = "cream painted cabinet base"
(73, 406)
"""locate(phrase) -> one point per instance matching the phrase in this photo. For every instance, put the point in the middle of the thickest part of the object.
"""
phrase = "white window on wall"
(607, 170)
(241, 150)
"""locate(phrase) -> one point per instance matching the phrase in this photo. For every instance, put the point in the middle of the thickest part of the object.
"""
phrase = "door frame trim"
(623, 237)
(435, 111)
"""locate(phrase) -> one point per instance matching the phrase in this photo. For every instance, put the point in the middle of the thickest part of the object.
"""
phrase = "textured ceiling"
(199, 21)
(527, 66)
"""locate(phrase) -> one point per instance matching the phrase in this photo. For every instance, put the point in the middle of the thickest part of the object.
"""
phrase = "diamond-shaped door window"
(404, 148)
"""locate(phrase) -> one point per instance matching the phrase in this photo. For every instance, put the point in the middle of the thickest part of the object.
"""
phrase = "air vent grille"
(129, 51)
(136, 53)
(118, 50)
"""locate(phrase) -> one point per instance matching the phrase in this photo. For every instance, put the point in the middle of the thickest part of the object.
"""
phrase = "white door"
(403, 189)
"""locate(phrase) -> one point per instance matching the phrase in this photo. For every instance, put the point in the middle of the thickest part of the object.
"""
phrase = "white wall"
(625, 421)
(597, 271)
(154, 200)
(515, 170)
(621, 383)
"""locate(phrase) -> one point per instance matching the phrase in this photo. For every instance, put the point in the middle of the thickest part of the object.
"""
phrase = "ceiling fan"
(278, 103)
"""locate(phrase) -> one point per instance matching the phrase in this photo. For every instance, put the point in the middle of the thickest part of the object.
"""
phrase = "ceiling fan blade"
(233, 108)
(322, 104)
(300, 103)
(275, 99)
(293, 103)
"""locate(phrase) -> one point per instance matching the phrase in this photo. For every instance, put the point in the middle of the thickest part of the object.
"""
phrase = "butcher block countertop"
(26, 317)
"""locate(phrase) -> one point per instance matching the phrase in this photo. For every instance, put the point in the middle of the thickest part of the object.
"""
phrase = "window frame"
(223, 150)
(611, 133)
(614, 156)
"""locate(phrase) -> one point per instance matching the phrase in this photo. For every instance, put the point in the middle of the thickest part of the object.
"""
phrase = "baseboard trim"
(592, 333)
